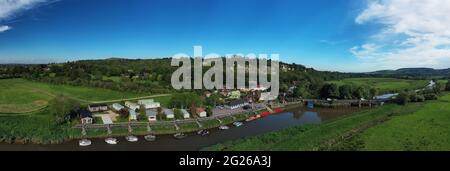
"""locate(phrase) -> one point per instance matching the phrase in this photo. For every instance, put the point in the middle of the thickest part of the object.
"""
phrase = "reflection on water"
(293, 117)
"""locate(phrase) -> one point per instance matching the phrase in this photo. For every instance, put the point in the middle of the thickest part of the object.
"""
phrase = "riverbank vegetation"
(413, 126)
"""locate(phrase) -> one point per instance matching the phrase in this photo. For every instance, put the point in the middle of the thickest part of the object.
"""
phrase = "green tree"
(403, 98)
(360, 92)
(61, 106)
(330, 91)
(447, 86)
(345, 91)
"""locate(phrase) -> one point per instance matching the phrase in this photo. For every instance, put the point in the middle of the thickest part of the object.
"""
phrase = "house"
(169, 113)
(132, 115)
(236, 104)
(149, 104)
(132, 106)
(98, 107)
(185, 113)
(86, 116)
(117, 107)
(151, 114)
(431, 84)
(201, 112)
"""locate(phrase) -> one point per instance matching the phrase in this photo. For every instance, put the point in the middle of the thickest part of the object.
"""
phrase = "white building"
(132, 106)
(132, 115)
(185, 113)
(236, 104)
(149, 104)
(201, 112)
(151, 114)
(117, 107)
(169, 113)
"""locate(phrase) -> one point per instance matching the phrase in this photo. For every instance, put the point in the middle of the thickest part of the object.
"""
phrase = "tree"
(213, 100)
(345, 91)
(373, 92)
(124, 113)
(209, 111)
(61, 106)
(403, 98)
(330, 91)
(178, 114)
(360, 92)
(447, 86)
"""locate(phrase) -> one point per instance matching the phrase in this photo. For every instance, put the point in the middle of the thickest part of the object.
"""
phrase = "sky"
(338, 35)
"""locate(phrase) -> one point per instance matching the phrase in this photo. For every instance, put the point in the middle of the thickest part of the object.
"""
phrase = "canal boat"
(238, 124)
(203, 132)
(131, 138)
(224, 127)
(111, 141)
(265, 114)
(278, 110)
(179, 135)
(252, 118)
(85, 142)
(150, 138)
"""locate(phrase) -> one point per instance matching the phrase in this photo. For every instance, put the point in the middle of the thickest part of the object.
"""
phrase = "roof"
(106, 120)
(132, 112)
(146, 101)
(118, 105)
(168, 111)
(150, 113)
(199, 110)
(184, 111)
(85, 113)
(237, 102)
(98, 105)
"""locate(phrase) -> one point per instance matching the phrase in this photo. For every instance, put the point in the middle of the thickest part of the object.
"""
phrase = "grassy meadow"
(384, 84)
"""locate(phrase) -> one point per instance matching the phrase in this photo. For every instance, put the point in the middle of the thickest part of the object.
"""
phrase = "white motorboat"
(224, 127)
(112, 141)
(131, 138)
(180, 135)
(85, 142)
(150, 138)
(203, 132)
(238, 124)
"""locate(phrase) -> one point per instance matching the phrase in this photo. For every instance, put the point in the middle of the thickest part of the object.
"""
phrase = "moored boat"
(179, 135)
(252, 118)
(224, 127)
(203, 132)
(238, 124)
(150, 138)
(112, 141)
(131, 138)
(278, 110)
(85, 142)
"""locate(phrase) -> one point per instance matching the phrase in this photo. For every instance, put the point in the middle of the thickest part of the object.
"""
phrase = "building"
(98, 107)
(86, 116)
(149, 104)
(169, 113)
(201, 112)
(117, 107)
(132, 116)
(132, 106)
(236, 104)
(151, 114)
(185, 113)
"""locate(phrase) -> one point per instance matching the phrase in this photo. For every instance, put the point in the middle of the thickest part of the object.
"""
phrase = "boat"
(180, 135)
(131, 138)
(224, 127)
(150, 138)
(85, 142)
(238, 124)
(278, 110)
(203, 132)
(252, 118)
(112, 141)
(264, 114)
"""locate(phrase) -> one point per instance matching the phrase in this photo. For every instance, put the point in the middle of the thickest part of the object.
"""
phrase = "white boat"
(224, 127)
(150, 138)
(203, 132)
(180, 135)
(112, 141)
(131, 138)
(85, 142)
(238, 124)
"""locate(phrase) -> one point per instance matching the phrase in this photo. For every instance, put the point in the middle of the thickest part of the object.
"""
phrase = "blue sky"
(317, 33)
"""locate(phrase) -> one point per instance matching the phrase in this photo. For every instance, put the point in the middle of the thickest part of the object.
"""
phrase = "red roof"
(199, 110)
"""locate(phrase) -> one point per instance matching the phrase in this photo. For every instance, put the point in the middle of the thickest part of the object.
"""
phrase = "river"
(292, 117)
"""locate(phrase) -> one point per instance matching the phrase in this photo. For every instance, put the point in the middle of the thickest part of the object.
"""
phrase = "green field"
(384, 84)
(23, 96)
(416, 126)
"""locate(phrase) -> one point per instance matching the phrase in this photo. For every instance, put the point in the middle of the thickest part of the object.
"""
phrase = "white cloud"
(4, 28)
(413, 33)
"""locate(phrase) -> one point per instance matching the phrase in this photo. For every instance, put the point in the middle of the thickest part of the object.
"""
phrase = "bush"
(430, 96)
(403, 98)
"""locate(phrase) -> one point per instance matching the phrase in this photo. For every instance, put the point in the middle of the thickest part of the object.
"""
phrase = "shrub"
(430, 96)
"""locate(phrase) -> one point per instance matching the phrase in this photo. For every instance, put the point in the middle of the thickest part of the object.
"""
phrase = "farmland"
(384, 84)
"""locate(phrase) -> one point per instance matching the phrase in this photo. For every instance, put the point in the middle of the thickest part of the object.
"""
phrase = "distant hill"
(414, 72)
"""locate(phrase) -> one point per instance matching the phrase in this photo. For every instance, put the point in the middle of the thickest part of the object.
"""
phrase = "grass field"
(23, 96)
(416, 126)
(384, 84)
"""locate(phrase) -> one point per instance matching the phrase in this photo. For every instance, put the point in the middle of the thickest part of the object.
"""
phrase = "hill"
(414, 72)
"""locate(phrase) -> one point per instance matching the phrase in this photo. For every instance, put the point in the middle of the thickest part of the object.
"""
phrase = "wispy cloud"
(11, 8)
(4, 28)
(413, 33)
